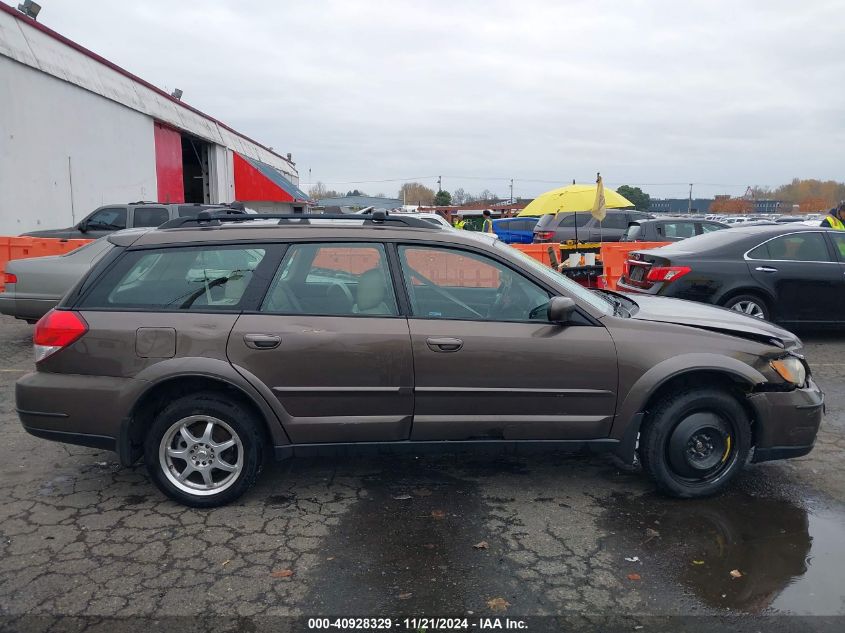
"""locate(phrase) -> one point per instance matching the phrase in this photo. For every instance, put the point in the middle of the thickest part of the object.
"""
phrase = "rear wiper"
(201, 291)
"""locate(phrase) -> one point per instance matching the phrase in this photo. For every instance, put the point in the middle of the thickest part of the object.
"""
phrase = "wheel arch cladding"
(160, 394)
(681, 372)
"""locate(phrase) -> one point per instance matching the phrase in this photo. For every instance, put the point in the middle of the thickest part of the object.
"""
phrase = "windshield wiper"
(618, 306)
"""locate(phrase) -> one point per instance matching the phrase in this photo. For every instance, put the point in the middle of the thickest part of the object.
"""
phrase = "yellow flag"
(599, 209)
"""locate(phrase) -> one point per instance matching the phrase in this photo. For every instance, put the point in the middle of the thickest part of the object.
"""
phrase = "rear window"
(195, 278)
(544, 221)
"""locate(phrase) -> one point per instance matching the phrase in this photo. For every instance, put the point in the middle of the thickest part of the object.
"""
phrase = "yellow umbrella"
(573, 198)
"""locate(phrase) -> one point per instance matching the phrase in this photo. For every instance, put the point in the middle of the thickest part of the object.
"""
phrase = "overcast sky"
(721, 94)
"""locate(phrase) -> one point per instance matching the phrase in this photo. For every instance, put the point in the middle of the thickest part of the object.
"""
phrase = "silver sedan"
(40, 282)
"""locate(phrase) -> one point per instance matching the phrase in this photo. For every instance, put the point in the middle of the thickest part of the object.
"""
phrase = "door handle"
(766, 269)
(262, 341)
(444, 344)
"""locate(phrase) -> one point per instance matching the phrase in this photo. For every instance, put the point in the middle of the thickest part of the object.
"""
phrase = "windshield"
(596, 300)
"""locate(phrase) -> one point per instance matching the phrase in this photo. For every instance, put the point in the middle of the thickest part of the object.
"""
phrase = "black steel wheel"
(695, 442)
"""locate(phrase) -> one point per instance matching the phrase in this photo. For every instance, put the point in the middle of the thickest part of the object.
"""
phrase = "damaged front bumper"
(786, 422)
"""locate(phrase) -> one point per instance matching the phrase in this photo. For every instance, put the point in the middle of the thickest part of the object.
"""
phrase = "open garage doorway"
(195, 169)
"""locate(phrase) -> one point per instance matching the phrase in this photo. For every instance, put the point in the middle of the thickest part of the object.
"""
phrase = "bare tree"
(318, 191)
(416, 193)
(459, 196)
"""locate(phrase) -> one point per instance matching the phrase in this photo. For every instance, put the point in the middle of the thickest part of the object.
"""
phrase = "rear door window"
(150, 216)
(798, 247)
(613, 220)
(839, 242)
(679, 230)
(193, 278)
(333, 279)
(572, 219)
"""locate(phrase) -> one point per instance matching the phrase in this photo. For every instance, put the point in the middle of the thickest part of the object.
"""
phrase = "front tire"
(203, 450)
(695, 442)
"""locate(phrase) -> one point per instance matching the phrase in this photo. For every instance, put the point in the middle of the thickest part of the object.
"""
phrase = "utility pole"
(439, 187)
(689, 204)
(511, 191)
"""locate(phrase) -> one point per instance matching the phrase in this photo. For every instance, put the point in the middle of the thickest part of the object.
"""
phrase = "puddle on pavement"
(790, 560)
(407, 547)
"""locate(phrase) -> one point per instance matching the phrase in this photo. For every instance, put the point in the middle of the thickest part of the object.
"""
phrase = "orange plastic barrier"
(614, 255)
(540, 252)
(26, 247)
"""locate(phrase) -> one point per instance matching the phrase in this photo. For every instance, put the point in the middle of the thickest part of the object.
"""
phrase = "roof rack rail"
(216, 217)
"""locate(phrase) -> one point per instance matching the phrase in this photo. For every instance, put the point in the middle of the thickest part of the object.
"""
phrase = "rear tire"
(695, 442)
(750, 304)
(203, 450)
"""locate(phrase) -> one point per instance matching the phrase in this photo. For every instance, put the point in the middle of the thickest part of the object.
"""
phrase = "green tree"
(442, 198)
(637, 196)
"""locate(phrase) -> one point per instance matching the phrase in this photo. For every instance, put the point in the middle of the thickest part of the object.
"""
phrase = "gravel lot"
(572, 536)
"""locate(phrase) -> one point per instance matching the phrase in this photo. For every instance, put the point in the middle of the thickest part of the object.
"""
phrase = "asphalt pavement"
(88, 545)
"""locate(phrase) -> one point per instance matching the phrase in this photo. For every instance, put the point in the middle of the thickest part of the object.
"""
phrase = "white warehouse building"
(78, 132)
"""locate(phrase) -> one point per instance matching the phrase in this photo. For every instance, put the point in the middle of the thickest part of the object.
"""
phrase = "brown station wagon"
(212, 341)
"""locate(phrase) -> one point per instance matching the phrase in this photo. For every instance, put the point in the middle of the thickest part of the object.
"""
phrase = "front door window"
(453, 284)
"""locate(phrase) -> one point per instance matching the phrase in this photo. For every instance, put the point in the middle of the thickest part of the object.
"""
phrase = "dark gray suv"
(116, 217)
(210, 343)
(584, 227)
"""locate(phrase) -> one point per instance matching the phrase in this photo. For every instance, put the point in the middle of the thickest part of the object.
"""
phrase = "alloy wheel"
(201, 455)
(751, 308)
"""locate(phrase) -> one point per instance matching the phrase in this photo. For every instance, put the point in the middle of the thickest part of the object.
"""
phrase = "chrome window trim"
(794, 261)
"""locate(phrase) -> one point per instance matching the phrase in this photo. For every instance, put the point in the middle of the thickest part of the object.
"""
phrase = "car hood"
(66, 233)
(707, 317)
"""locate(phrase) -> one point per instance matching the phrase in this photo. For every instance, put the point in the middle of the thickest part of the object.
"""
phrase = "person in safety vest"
(487, 223)
(459, 223)
(836, 218)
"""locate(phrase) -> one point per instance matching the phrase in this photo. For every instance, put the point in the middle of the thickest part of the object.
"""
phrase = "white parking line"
(19, 371)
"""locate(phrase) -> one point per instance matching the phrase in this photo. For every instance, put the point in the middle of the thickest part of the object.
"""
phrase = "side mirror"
(560, 309)
(83, 226)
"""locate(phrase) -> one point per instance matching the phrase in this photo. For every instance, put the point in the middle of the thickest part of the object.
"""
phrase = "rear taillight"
(9, 278)
(667, 273)
(545, 235)
(56, 330)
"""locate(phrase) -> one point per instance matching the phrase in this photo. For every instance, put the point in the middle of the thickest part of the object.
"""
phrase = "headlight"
(791, 369)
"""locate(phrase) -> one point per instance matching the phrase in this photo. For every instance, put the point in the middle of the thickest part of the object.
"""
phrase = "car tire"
(694, 443)
(750, 304)
(204, 450)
